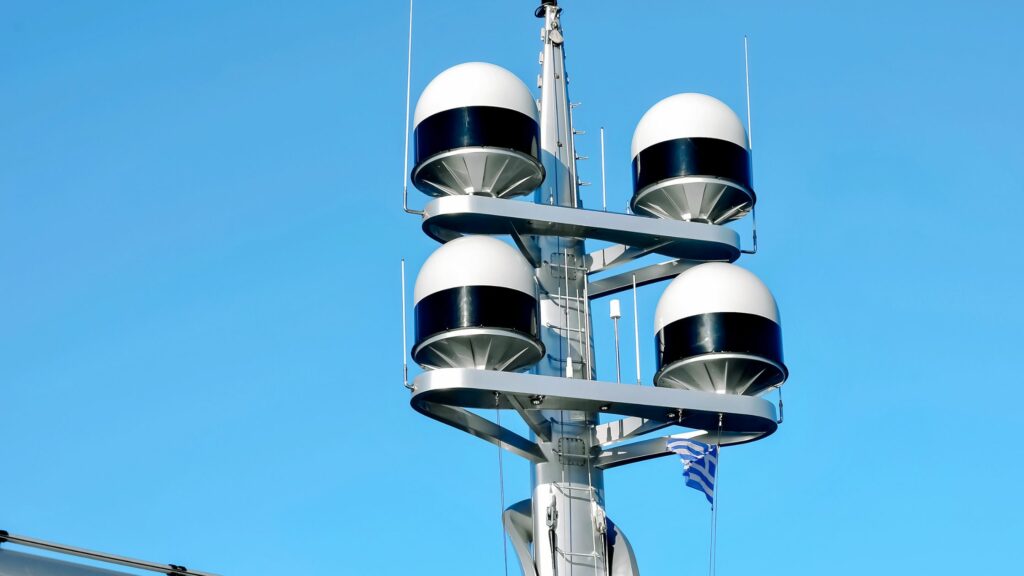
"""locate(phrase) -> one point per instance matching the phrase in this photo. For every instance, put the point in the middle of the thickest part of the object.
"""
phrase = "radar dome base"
(723, 373)
(480, 348)
(694, 199)
(480, 170)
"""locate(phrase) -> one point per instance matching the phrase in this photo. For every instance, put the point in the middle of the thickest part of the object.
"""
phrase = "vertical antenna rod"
(604, 193)
(746, 71)
(636, 331)
(405, 358)
(615, 312)
(405, 168)
(750, 141)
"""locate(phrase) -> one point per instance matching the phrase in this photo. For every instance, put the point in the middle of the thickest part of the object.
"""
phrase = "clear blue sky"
(200, 231)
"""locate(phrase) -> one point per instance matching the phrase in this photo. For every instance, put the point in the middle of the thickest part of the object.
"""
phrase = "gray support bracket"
(482, 428)
(450, 217)
(644, 276)
(533, 418)
(445, 394)
(656, 447)
(529, 249)
(518, 520)
(616, 255)
(626, 428)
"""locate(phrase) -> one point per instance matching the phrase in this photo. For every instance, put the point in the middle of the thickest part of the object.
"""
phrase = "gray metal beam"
(644, 276)
(439, 393)
(626, 428)
(449, 217)
(656, 447)
(540, 426)
(616, 255)
(482, 428)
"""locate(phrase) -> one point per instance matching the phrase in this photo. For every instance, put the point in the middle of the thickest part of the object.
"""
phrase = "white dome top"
(474, 84)
(714, 287)
(688, 115)
(474, 261)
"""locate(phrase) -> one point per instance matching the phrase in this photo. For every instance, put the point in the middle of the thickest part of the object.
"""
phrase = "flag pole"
(714, 498)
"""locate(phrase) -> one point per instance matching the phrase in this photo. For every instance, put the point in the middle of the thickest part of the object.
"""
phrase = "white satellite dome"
(715, 287)
(474, 261)
(717, 329)
(688, 115)
(474, 84)
(691, 161)
(476, 132)
(476, 307)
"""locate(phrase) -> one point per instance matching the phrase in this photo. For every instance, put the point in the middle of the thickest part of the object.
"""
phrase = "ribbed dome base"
(481, 348)
(694, 199)
(724, 373)
(493, 172)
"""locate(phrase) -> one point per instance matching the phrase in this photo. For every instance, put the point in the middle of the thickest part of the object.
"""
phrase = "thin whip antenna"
(750, 140)
(405, 359)
(405, 168)
(636, 332)
(604, 194)
(746, 71)
(615, 312)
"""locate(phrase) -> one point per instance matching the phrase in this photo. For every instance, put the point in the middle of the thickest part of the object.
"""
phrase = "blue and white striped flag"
(700, 462)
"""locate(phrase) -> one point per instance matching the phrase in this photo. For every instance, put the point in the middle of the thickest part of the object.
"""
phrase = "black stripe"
(476, 126)
(719, 332)
(476, 307)
(691, 157)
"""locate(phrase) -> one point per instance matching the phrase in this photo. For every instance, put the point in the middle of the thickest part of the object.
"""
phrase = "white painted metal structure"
(562, 528)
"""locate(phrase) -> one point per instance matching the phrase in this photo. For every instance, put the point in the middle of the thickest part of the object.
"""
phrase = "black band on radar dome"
(476, 307)
(735, 332)
(691, 157)
(476, 126)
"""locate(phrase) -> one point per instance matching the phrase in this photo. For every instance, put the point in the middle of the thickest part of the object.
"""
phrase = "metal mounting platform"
(445, 395)
(448, 218)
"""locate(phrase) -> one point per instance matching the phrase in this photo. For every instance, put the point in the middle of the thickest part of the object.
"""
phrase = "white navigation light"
(476, 132)
(476, 307)
(691, 161)
(717, 329)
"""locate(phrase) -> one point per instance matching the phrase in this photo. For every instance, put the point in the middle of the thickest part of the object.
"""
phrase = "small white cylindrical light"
(691, 162)
(476, 306)
(476, 131)
(614, 310)
(717, 329)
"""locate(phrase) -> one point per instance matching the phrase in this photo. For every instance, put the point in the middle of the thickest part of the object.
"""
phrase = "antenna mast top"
(539, 12)
(485, 310)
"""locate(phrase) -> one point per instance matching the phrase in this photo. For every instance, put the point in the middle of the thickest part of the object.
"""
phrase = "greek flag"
(700, 462)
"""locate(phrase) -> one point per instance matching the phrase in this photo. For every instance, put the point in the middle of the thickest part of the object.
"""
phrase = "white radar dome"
(717, 329)
(691, 161)
(474, 84)
(476, 307)
(476, 132)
